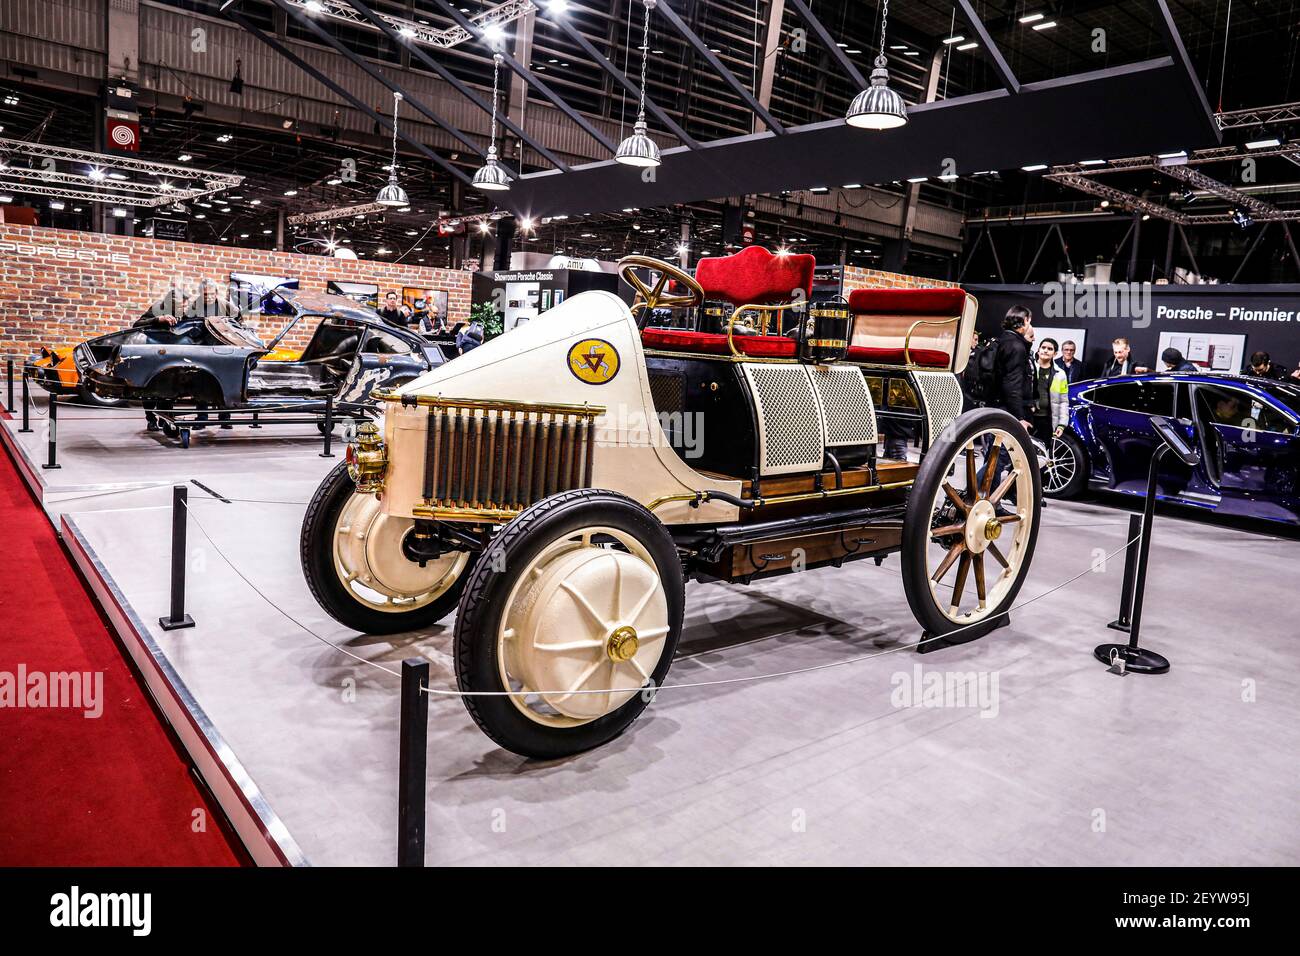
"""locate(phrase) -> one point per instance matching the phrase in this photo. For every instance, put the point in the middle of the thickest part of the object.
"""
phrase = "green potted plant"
(493, 321)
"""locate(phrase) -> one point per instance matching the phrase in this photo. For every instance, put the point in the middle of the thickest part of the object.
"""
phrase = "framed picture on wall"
(362, 292)
(251, 292)
(429, 305)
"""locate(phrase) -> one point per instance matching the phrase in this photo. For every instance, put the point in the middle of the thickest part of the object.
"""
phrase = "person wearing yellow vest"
(1051, 403)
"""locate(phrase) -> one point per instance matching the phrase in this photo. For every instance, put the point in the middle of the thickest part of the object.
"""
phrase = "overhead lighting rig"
(494, 17)
(339, 212)
(94, 184)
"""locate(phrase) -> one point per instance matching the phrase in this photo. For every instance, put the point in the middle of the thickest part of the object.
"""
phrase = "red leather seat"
(939, 303)
(753, 276)
(927, 358)
(710, 343)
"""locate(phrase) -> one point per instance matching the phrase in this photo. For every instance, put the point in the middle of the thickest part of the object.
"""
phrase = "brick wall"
(856, 277)
(59, 287)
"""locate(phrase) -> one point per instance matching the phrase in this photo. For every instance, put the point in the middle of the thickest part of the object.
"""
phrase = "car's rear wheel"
(86, 397)
(969, 532)
(1066, 473)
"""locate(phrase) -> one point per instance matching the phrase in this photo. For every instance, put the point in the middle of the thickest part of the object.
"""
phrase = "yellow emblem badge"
(594, 361)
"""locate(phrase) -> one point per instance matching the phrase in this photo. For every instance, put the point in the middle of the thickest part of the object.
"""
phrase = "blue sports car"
(1247, 430)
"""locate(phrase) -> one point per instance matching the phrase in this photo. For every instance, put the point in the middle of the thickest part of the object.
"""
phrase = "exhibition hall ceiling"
(292, 163)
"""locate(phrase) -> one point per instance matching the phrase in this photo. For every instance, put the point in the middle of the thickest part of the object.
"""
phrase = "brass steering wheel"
(648, 298)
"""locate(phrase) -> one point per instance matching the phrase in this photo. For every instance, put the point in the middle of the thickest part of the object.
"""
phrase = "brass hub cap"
(992, 529)
(622, 645)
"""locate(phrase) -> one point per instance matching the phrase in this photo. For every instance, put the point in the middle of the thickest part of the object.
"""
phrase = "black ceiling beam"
(392, 86)
(432, 64)
(1173, 40)
(834, 49)
(618, 75)
(989, 130)
(338, 90)
(474, 30)
(1000, 65)
(728, 77)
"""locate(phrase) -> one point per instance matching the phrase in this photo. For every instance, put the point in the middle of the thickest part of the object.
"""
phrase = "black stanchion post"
(1121, 623)
(52, 435)
(413, 736)
(27, 401)
(329, 427)
(180, 516)
(9, 375)
(1135, 658)
(255, 424)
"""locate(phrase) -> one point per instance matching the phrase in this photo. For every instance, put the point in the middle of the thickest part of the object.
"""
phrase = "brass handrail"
(907, 339)
(752, 307)
(584, 410)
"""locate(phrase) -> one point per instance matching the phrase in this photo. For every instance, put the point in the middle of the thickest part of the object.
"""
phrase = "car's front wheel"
(355, 564)
(1065, 474)
(569, 622)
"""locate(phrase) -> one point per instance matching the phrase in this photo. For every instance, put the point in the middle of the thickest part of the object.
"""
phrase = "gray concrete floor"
(1077, 766)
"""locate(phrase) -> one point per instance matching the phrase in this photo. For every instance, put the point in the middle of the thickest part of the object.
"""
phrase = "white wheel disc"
(369, 561)
(588, 614)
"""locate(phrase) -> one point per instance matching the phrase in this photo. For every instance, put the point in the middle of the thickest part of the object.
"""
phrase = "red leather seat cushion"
(711, 343)
(928, 358)
(755, 276)
(937, 303)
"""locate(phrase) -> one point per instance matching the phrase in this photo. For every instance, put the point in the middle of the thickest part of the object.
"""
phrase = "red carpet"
(74, 791)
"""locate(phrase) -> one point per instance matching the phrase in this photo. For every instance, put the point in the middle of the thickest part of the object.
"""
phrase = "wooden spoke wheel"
(648, 298)
(970, 529)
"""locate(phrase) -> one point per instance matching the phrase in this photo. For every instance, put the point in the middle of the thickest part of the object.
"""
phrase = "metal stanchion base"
(1135, 658)
(167, 624)
(1118, 625)
(48, 466)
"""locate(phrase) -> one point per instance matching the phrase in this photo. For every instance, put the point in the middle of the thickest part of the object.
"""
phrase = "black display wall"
(1268, 315)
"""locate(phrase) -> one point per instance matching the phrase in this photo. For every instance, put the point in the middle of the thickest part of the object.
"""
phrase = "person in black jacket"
(1013, 391)
(1174, 362)
(1263, 366)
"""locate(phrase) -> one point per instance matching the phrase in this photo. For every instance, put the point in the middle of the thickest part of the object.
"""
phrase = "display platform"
(838, 764)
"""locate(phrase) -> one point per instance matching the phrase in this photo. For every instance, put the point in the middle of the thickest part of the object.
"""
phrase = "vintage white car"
(558, 485)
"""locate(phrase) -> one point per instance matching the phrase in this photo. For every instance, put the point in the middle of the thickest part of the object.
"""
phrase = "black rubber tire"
(316, 551)
(916, 524)
(1075, 487)
(484, 602)
(86, 397)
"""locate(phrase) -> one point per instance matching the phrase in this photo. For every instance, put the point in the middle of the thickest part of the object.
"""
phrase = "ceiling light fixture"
(878, 106)
(492, 176)
(393, 194)
(1031, 18)
(948, 41)
(1045, 26)
(639, 149)
(968, 46)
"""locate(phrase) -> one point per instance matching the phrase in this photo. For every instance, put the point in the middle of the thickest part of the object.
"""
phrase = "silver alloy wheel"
(1060, 468)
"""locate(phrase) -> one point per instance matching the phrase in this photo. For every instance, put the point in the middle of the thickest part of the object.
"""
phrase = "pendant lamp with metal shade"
(639, 149)
(878, 106)
(392, 194)
(492, 176)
